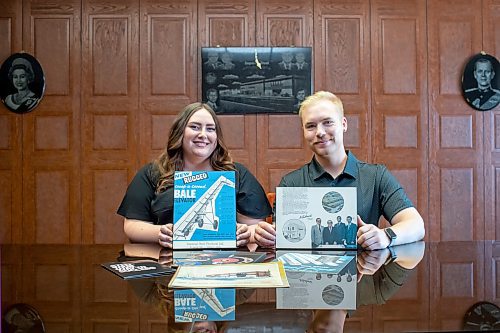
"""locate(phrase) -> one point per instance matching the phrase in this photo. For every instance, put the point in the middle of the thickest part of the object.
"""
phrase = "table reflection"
(326, 287)
(428, 287)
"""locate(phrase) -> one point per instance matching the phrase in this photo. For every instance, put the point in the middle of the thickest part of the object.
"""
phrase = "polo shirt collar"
(351, 167)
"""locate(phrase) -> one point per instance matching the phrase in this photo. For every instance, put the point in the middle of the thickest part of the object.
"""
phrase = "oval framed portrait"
(481, 82)
(22, 82)
(22, 317)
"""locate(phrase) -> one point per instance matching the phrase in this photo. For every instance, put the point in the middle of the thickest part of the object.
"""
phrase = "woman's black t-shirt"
(141, 202)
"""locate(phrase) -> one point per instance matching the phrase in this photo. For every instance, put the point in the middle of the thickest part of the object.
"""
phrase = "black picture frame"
(22, 83)
(481, 82)
(250, 80)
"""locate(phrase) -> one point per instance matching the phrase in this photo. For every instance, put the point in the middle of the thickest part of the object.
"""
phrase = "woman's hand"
(165, 235)
(265, 235)
(242, 234)
(166, 257)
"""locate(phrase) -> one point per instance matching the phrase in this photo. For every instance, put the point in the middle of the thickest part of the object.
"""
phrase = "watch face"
(390, 233)
(483, 316)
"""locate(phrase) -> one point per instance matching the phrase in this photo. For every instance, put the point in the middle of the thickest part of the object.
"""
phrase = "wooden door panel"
(169, 58)
(455, 129)
(280, 147)
(399, 82)
(110, 77)
(51, 132)
(342, 65)
(491, 127)
(225, 24)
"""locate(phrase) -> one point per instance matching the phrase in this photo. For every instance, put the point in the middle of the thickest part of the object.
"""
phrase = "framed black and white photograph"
(22, 82)
(240, 80)
(481, 82)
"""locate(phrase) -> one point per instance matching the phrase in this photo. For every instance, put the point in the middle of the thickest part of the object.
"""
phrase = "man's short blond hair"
(320, 96)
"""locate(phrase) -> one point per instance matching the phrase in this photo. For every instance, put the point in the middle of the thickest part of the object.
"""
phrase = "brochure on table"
(204, 210)
(137, 269)
(259, 275)
(316, 217)
(312, 288)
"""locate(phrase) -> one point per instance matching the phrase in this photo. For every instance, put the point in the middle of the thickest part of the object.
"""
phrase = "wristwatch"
(391, 234)
(392, 256)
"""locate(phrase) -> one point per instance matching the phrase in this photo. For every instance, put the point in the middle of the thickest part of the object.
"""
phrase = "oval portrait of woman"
(22, 82)
(481, 82)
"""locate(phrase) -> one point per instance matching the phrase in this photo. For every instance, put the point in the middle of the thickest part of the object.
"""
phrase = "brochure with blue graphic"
(204, 210)
(318, 280)
(316, 263)
(204, 304)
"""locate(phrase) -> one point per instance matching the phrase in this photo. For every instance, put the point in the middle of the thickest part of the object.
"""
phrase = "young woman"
(195, 143)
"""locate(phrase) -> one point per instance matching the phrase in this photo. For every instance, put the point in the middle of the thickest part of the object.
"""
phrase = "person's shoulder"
(496, 91)
(150, 171)
(297, 172)
(240, 167)
(293, 178)
(471, 90)
(8, 99)
(372, 168)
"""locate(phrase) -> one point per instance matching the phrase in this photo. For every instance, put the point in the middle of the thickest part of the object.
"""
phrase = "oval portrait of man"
(22, 82)
(481, 82)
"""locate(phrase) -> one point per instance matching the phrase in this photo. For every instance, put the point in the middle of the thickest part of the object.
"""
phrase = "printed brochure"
(260, 275)
(316, 218)
(204, 210)
(137, 269)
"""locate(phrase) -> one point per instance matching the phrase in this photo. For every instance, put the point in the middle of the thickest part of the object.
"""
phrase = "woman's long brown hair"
(172, 158)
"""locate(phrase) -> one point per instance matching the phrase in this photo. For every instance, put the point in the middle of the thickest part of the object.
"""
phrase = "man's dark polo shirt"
(379, 193)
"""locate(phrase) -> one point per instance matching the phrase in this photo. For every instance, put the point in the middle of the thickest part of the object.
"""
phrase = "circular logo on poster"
(294, 230)
(333, 202)
(481, 82)
(22, 82)
(332, 294)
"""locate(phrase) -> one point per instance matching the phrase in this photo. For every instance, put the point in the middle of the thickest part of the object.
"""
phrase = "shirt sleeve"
(251, 200)
(136, 203)
(393, 198)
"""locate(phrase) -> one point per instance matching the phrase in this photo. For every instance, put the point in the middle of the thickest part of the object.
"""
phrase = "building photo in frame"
(481, 82)
(22, 83)
(240, 80)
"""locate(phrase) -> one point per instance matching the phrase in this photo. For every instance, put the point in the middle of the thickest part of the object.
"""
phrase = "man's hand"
(242, 234)
(369, 262)
(165, 235)
(370, 237)
(265, 235)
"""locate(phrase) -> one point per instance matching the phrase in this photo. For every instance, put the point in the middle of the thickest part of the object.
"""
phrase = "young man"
(317, 234)
(379, 193)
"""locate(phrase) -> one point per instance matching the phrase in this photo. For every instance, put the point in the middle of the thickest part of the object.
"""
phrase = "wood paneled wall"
(118, 72)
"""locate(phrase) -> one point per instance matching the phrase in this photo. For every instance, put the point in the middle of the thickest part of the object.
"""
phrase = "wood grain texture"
(118, 72)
